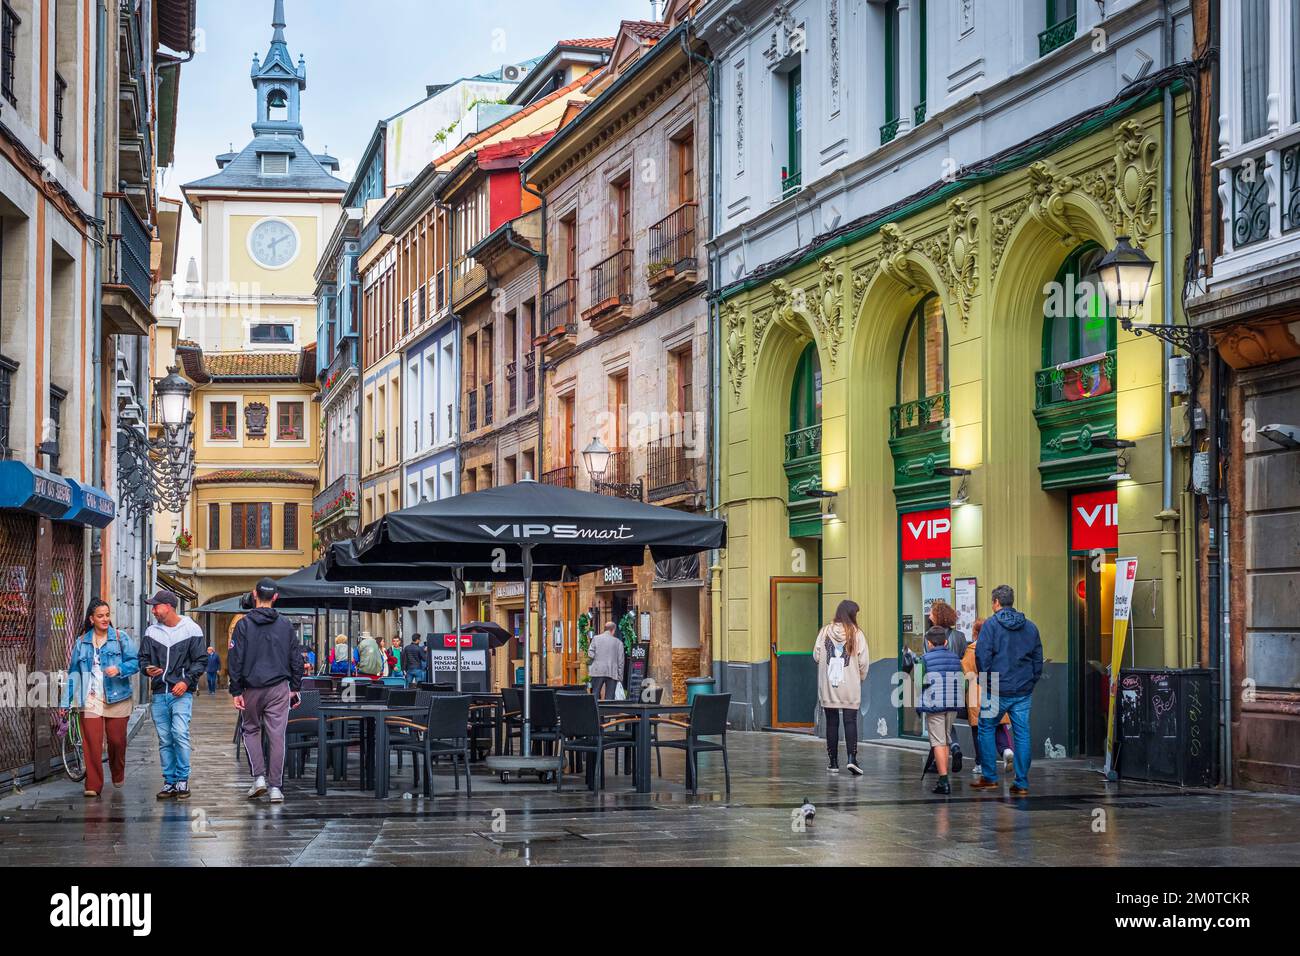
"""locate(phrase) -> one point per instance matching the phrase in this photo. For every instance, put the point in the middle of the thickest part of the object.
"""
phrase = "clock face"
(274, 244)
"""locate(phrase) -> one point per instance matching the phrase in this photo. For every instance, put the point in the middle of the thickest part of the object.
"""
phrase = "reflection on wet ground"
(887, 817)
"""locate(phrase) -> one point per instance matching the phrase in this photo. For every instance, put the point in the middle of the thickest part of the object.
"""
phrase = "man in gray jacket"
(606, 668)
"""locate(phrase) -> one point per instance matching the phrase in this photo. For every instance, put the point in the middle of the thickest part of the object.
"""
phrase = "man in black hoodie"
(265, 666)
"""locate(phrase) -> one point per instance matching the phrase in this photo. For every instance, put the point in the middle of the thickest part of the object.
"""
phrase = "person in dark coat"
(1010, 656)
(214, 668)
(414, 658)
(265, 679)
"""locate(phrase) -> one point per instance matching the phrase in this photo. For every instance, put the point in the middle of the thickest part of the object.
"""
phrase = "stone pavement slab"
(886, 817)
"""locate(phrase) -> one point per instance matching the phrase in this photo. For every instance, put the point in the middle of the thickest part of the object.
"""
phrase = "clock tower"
(248, 342)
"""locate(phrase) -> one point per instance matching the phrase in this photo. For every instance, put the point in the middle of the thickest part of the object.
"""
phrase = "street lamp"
(157, 473)
(597, 457)
(174, 397)
(1126, 275)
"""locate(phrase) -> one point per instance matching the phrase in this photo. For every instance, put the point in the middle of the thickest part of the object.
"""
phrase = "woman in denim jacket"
(99, 685)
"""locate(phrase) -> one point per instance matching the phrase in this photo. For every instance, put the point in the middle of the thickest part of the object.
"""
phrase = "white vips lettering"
(1089, 515)
(932, 528)
(75, 909)
(621, 533)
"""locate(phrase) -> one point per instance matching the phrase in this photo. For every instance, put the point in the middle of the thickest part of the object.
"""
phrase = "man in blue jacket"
(1009, 651)
(943, 694)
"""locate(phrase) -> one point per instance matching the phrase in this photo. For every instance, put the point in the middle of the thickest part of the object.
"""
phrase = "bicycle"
(68, 730)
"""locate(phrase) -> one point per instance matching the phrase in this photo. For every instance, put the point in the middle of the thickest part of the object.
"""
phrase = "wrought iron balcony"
(1057, 35)
(1291, 186)
(889, 131)
(919, 415)
(471, 410)
(559, 477)
(128, 279)
(337, 502)
(670, 472)
(672, 240)
(489, 403)
(803, 443)
(559, 307)
(918, 114)
(9, 58)
(129, 245)
(791, 182)
(512, 389)
(530, 379)
(611, 291)
(1076, 381)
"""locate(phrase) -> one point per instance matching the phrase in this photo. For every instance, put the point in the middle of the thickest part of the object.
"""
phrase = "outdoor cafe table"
(375, 715)
(643, 713)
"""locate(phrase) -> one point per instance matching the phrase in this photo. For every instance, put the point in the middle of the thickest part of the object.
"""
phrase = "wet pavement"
(887, 817)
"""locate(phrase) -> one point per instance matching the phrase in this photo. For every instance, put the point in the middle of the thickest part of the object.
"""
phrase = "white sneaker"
(277, 796)
(975, 771)
(257, 789)
(1010, 757)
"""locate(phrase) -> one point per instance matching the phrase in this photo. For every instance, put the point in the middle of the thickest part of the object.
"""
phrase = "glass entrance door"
(1092, 579)
(796, 619)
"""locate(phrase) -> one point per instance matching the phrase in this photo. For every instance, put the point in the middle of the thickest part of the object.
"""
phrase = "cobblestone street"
(886, 817)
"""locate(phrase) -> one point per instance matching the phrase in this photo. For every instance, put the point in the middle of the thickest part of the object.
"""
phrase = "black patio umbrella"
(530, 523)
(370, 594)
(549, 524)
(497, 635)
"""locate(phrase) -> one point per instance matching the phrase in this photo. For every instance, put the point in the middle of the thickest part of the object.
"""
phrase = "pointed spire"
(278, 22)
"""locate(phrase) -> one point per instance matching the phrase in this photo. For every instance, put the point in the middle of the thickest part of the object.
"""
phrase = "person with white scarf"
(840, 653)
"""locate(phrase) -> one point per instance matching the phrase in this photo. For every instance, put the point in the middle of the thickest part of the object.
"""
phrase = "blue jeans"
(415, 677)
(1018, 707)
(171, 717)
(212, 683)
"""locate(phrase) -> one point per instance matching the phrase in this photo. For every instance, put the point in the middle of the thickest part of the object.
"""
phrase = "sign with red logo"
(449, 640)
(1094, 521)
(927, 536)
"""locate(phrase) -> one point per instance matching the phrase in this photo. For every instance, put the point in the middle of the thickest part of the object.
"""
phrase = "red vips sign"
(927, 535)
(1094, 521)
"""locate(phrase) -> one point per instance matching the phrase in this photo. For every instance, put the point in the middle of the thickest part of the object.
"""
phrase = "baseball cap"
(267, 589)
(164, 597)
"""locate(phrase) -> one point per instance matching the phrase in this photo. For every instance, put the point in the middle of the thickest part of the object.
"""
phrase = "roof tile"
(250, 476)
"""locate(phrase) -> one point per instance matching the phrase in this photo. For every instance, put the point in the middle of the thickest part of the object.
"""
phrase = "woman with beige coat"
(842, 661)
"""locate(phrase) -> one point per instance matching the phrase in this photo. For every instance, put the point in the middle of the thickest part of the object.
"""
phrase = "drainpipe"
(1168, 516)
(713, 490)
(542, 259)
(98, 463)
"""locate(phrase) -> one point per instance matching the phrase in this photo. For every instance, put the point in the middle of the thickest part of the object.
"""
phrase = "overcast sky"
(366, 60)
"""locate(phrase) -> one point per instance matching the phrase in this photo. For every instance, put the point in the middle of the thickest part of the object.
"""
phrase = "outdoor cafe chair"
(302, 736)
(513, 715)
(444, 732)
(582, 731)
(708, 718)
(545, 732)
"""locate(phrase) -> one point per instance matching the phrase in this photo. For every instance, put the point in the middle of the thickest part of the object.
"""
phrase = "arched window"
(923, 368)
(277, 107)
(1078, 331)
(804, 438)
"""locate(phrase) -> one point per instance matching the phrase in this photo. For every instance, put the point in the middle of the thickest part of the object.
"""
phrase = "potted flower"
(184, 540)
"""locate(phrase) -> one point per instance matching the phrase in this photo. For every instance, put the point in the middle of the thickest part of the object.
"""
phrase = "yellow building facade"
(918, 347)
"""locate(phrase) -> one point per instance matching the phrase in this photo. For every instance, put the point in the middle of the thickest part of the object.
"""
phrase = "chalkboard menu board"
(638, 668)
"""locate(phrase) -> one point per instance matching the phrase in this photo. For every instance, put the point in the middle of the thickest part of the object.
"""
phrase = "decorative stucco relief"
(733, 320)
